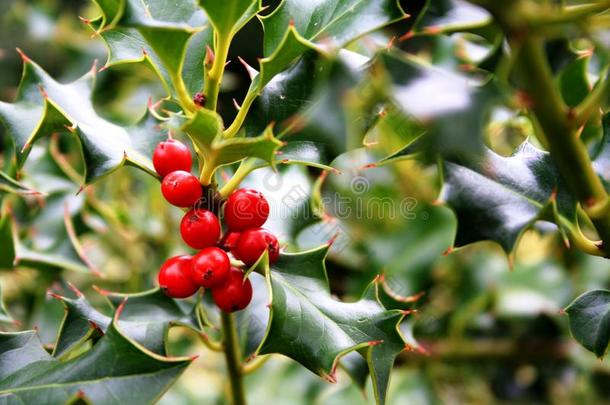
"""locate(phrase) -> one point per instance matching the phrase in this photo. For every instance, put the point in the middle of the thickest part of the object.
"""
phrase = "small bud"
(199, 99)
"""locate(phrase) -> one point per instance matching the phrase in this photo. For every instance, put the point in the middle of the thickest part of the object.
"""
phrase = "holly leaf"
(115, 367)
(316, 122)
(229, 16)
(169, 39)
(44, 106)
(454, 123)
(497, 198)
(205, 130)
(294, 27)
(573, 82)
(589, 320)
(308, 325)
(52, 239)
(146, 318)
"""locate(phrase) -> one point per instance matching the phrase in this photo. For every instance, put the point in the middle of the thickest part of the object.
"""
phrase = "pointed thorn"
(75, 290)
(93, 69)
(291, 23)
(407, 36)
(236, 105)
(448, 251)
(144, 52)
(209, 56)
(80, 394)
(103, 68)
(85, 20)
(70, 128)
(100, 290)
(80, 189)
(369, 166)
(43, 92)
(24, 57)
(26, 146)
(96, 327)
(119, 309)
(375, 342)
(391, 42)
(251, 71)
(437, 202)
(269, 305)
(55, 295)
(562, 311)
(406, 312)
(332, 239)
(251, 357)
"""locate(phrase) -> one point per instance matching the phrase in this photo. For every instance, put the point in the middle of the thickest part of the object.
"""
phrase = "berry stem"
(233, 358)
(245, 167)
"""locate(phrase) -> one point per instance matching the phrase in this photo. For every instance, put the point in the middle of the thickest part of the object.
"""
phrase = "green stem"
(245, 167)
(213, 77)
(241, 115)
(232, 356)
(567, 151)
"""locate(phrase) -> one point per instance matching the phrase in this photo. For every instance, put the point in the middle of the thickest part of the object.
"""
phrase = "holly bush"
(432, 176)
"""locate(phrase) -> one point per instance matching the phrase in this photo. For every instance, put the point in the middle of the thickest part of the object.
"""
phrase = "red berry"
(246, 208)
(229, 241)
(235, 294)
(181, 188)
(175, 277)
(171, 155)
(253, 243)
(210, 267)
(200, 228)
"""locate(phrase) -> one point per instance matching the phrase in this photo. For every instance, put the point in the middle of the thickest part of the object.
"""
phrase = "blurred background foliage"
(488, 330)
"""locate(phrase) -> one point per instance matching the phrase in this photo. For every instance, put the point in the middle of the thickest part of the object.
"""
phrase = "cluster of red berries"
(245, 211)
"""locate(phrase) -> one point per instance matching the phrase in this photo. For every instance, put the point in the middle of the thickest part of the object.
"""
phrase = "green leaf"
(454, 121)
(295, 26)
(311, 327)
(205, 130)
(170, 39)
(573, 82)
(115, 367)
(146, 318)
(497, 198)
(229, 16)
(44, 106)
(307, 103)
(51, 242)
(590, 320)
